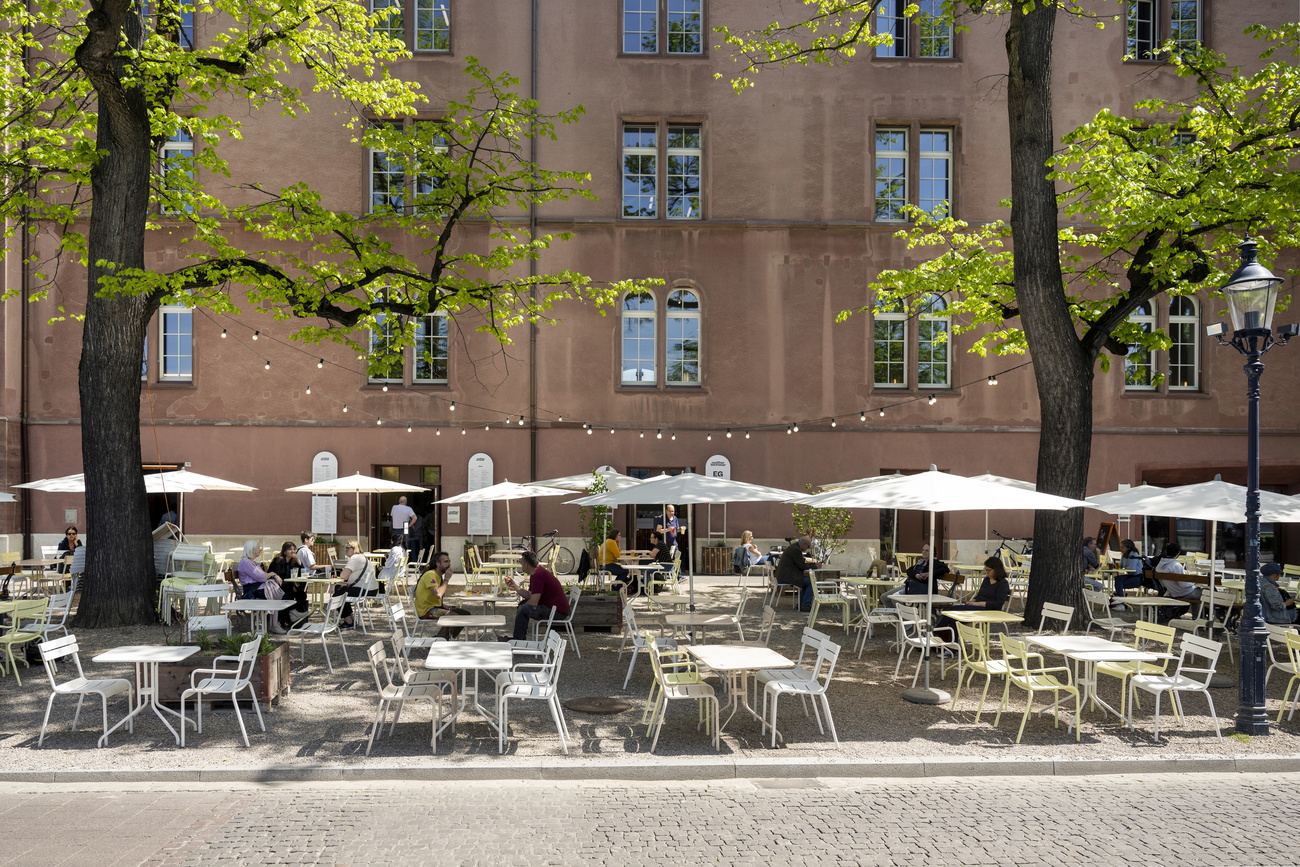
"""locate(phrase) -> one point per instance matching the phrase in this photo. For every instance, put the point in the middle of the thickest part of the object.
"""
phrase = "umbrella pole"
(1217, 681)
(986, 532)
(356, 504)
(690, 518)
(926, 695)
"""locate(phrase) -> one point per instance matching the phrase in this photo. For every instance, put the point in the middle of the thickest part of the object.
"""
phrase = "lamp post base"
(923, 695)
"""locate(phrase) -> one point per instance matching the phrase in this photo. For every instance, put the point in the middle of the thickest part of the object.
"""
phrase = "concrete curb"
(696, 769)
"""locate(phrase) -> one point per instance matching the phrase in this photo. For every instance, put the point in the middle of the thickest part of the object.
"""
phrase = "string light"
(521, 420)
(674, 436)
(787, 430)
(309, 389)
(268, 364)
(659, 434)
(933, 400)
(561, 418)
(345, 407)
(746, 434)
(728, 433)
(993, 380)
(590, 431)
(796, 427)
(320, 364)
(379, 421)
(462, 431)
(709, 436)
(385, 388)
(642, 434)
(223, 334)
(453, 406)
(863, 416)
(832, 422)
(255, 334)
(487, 427)
(611, 431)
(408, 428)
(882, 412)
(437, 431)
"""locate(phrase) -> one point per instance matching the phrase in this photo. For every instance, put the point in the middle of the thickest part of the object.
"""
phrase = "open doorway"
(643, 517)
(906, 530)
(163, 505)
(421, 501)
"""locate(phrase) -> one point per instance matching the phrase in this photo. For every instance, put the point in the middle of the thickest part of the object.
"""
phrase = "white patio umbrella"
(506, 491)
(357, 485)
(1000, 480)
(932, 492)
(688, 489)
(180, 482)
(582, 481)
(8, 498)
(1206, 501)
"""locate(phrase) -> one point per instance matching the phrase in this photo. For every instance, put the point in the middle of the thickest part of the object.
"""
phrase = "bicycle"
(1026, 548)
(564, 561)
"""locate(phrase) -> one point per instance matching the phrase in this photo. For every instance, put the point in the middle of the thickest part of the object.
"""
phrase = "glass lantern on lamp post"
(1251, 294)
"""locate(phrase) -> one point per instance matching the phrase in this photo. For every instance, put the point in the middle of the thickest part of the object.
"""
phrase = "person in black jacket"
(993, 595)
(793, 567)
(916, 577)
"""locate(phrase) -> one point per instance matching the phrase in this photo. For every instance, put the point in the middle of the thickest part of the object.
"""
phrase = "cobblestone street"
(1186, 820)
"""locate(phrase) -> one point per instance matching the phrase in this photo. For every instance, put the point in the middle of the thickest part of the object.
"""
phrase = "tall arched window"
(889, 344)
(1184, 347)
(639, 339)
(682, 352)
(933, 329)
(1139, 364)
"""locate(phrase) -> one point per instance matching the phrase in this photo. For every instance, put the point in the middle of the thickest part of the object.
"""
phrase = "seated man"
(1279, 607)
(431, 590)
(544, 593)
(792, 569)
(1184, 590)
(1091, 563)
(609, 555)
(917, 577)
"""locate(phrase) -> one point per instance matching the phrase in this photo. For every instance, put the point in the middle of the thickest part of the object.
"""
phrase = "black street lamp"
(1251, 293)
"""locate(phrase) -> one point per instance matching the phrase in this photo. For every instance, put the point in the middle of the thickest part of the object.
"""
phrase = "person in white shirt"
(1184, 590)
(306, 559)
(403, 516)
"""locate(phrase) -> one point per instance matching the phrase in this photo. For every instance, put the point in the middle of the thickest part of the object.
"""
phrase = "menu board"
(479, 515)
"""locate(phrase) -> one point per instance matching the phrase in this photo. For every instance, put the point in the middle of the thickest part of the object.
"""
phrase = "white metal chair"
(393, 696)
(914, 633)
(1186, 678)
(1058, 614)
(80, 686)
(813, 687)
(1211, 613)
(444, 679)
(225, 682)
(811, 640)
(638, 636)
(764, 630)
(534, 680)
(776, 589)
(828, 593)
(567, 622)
(27, 621)
(333, 613)
(186, 566)
(203, 609)
(60, 608)
(869, 618)
(1099, 614)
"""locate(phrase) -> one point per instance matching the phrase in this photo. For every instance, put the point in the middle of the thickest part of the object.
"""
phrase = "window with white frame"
(1139, 364)
(171, 19)
(638, 339)
(904, 176)
(387, 177)
(889, 346)
(1142, 37)
(682, 156)
(1185, 25)
(427, 178)
(682, 340)
(663, 26)
(175, 344)
(930, 37)
(431, 349)
(405, 170)
(420, 25)
(1185, 343)
(177, 167)
(933, 330)
(384, 363)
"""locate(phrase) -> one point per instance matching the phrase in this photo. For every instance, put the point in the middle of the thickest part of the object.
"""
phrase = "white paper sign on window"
(718, 467)
(478, 516)
(324, 507)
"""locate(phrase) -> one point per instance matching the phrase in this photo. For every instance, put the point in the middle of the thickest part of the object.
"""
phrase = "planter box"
(270, 676)
(715, 561)
(600, 612)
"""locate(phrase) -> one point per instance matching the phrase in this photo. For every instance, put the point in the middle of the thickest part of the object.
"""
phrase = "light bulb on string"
(223, 334)
(453, 406)
(796, 427)
(709, 436)
(882, 412)
(408, 428)
(832, 422)
(521, 420)
(462, 431)
(993, 380)
(611, 430)
(933, 400)
(255, 334)
(437, 431)
(787, 430)
(863, 416)
(659, 434)
(309, 389)
(746, 434)
(268, 364)
(728, 433)
(379, 421)
(590, 431)
(674, 436)
(487, 427)
(560, 418)
(385, 388)
(320, 364)
(345, 407)
(642, 434)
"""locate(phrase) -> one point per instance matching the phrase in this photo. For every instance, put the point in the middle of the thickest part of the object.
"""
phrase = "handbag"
(272, 590)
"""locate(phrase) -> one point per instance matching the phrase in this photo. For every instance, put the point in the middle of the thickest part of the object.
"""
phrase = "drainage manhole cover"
(598, 705)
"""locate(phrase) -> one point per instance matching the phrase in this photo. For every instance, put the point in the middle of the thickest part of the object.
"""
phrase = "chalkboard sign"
(1108, 537)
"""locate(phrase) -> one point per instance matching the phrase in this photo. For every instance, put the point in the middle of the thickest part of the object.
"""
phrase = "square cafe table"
(467, 656)
(258, 610)
(680, 622)
(736, 661)
(1146, 605)
(146, 658)
(984, 619)
(478, 622)
(1088, 650)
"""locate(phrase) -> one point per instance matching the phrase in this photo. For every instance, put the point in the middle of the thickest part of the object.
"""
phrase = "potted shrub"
(270, 669)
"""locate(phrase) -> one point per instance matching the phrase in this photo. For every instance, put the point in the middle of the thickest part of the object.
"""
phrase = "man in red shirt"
(543, 594)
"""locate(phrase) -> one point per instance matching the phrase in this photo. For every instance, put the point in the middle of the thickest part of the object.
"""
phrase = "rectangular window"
(638, 339)
(387, 179)
(1142, 34)
(891, 174)
(171, 19)
(1182, 355)
(641, 26)
(144, 364)
(935, 191)
(383, 364)
(431, 349)
(934, 29)
(177, 170)
(640, 155)
(392, 25)
(428, 179)
(684, 155)
(890, 21)
(176, 344)
(890, 348)
(432, 25)
(682, 352)
(932, 352)
(1185, 23)
(685, 26)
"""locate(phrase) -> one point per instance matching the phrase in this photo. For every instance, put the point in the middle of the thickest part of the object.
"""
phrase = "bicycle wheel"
(564, 561)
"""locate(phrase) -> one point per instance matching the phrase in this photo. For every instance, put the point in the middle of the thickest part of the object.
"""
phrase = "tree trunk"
(1061, 368)
(119, 580)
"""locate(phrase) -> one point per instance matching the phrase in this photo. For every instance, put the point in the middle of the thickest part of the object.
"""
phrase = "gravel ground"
(326, 718)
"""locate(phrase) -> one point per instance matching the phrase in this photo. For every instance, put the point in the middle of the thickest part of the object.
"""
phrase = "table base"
(146, 686)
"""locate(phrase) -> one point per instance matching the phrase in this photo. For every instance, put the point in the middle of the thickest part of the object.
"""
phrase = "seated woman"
(994, 593)
(282, 568)
(607, 559)
(660, 552)
(1131, 560)
(252, 577)
(68, 547)
(432, 589)
(393, 561)
(354, 580)
(756, 557)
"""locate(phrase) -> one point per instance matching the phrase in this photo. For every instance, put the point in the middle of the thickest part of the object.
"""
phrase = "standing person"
(544, 593)
(669, 526)
(403, 516)
(792, 569)
(431, 592)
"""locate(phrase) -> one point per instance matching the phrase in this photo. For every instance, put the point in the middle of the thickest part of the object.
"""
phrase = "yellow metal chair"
(1293, 651)
(1033, 680)
(975, 654)
(677, 678)
(1150, 637)
(27, 623)
(664, 578)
